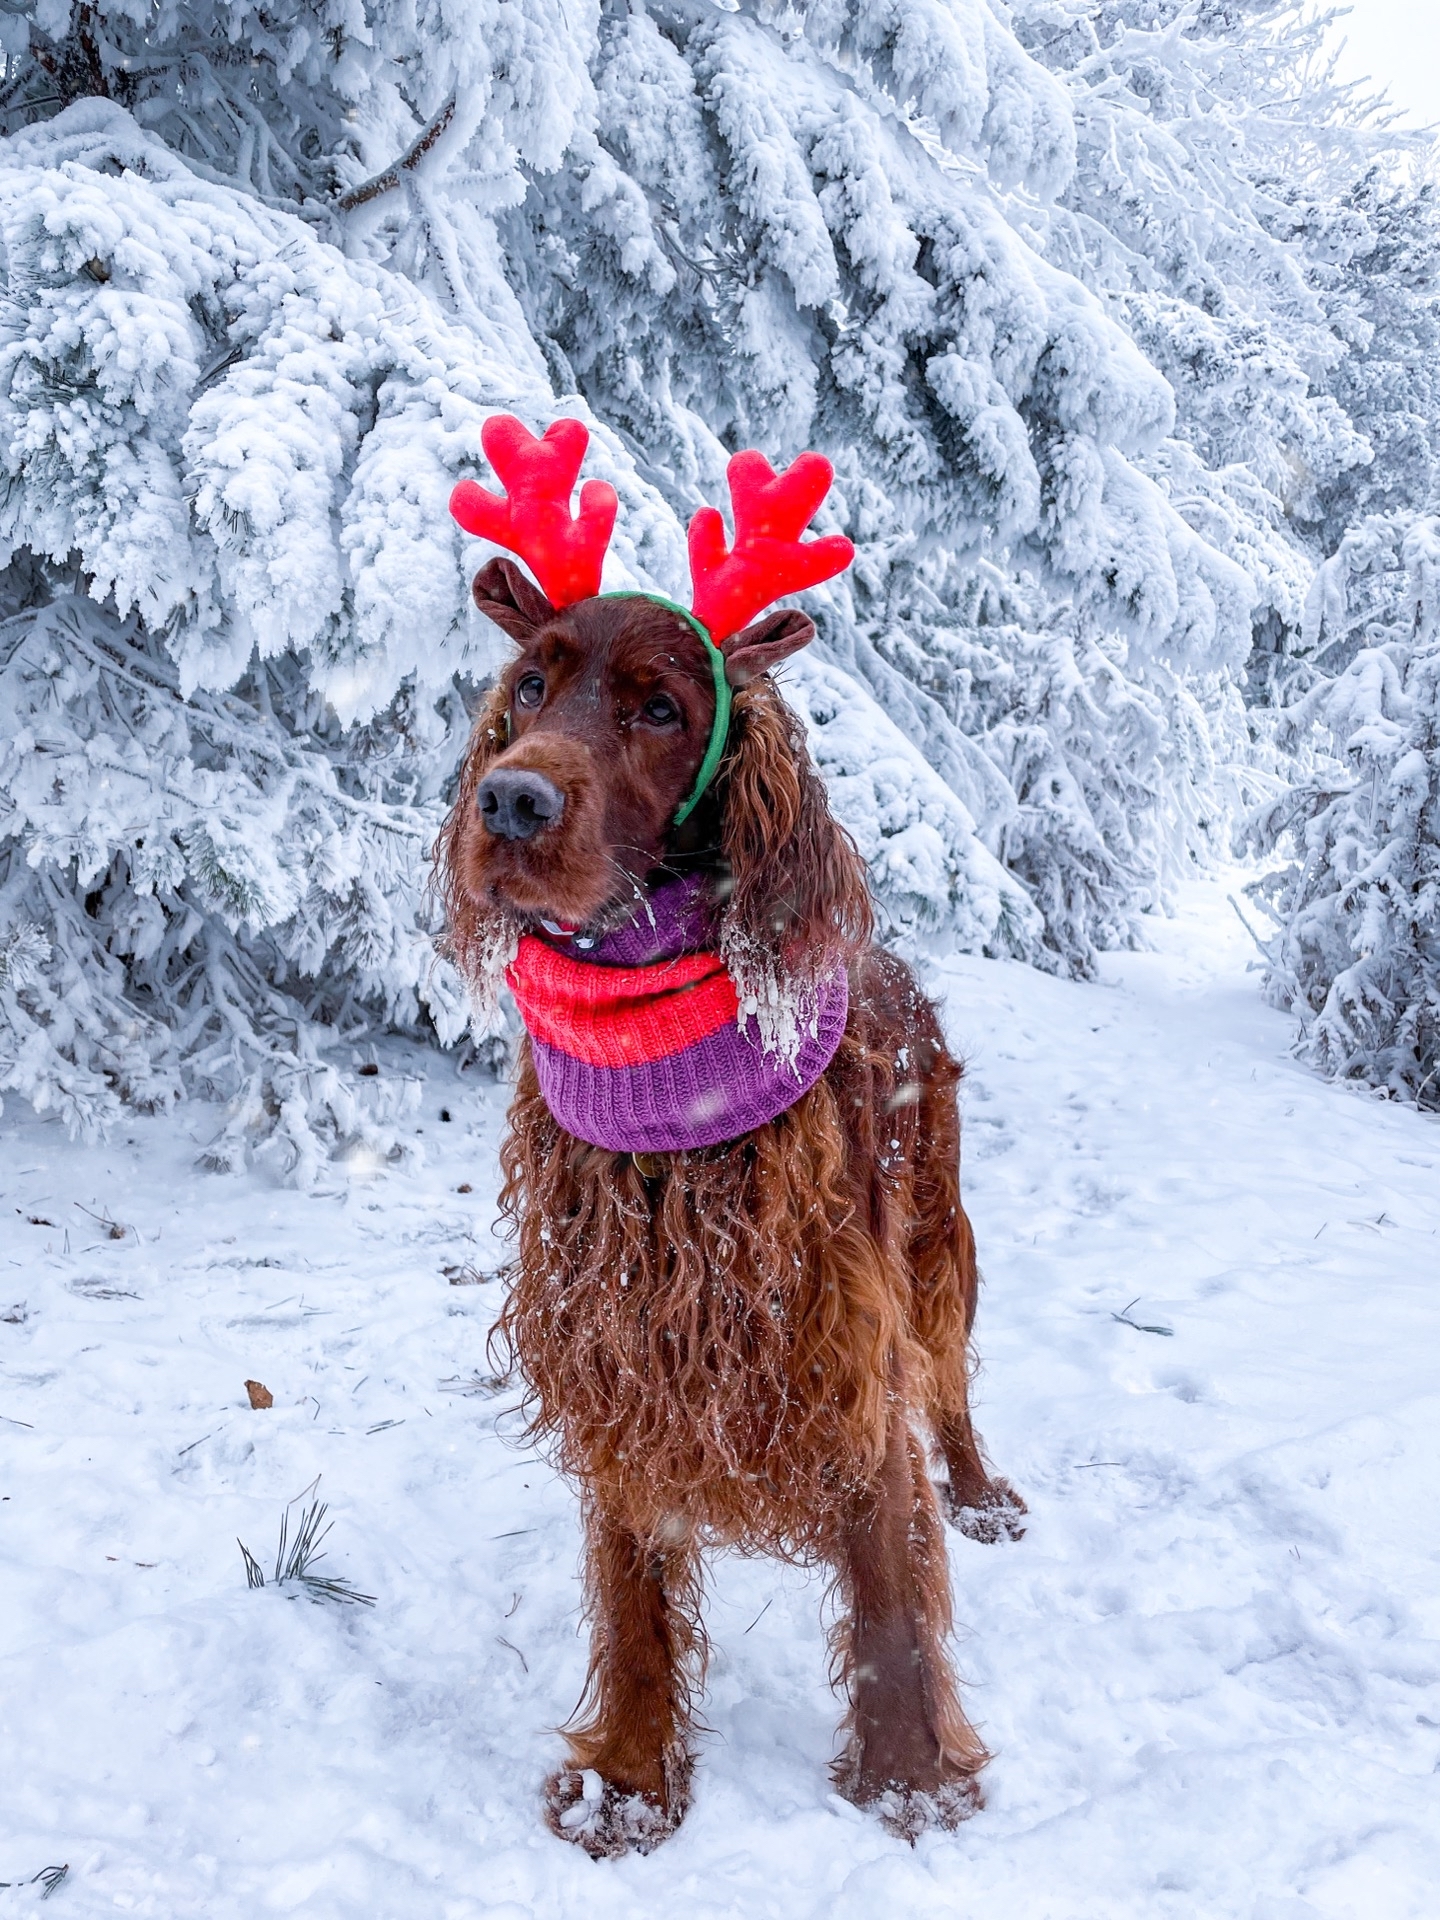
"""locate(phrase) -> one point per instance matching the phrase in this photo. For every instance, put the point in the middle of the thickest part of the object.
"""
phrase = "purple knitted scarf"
(638, 1043)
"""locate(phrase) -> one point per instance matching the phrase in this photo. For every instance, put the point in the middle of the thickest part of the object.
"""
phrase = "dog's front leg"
(911, 1752)
(627, 1784)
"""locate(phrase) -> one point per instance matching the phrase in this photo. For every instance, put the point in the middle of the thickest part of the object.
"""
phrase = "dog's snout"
(517, 804)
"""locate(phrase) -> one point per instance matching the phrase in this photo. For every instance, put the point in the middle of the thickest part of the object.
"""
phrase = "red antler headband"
(730, 585)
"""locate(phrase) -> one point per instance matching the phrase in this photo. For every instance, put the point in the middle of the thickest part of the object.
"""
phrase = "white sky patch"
(1396, 43)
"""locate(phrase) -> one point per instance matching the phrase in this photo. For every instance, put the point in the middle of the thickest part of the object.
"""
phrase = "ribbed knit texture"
(637, 1042)
(620, 1016)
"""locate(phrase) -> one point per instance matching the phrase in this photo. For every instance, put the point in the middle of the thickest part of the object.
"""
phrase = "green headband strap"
(720, 725)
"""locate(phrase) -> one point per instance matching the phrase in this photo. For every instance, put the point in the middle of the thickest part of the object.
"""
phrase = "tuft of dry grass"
(295, 1560)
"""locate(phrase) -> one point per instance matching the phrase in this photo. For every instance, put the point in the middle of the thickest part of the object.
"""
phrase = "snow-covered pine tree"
(1273, 247)
(220, 758)
(1230, 206)
(1212, 209)
(1357, 952)
(1384, 301)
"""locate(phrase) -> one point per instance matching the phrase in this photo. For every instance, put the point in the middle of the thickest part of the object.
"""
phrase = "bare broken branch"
(379, 183)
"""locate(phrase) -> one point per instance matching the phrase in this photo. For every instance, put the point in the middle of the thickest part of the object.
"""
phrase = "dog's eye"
(529, 690)
(660, 711)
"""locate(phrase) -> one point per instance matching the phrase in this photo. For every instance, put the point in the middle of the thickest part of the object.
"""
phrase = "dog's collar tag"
(584, 941)
(560, 933)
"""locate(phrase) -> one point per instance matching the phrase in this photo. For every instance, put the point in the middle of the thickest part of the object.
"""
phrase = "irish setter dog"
(739, 1345)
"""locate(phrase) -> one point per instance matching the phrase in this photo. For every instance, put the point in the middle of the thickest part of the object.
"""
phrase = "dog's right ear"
(506, 595)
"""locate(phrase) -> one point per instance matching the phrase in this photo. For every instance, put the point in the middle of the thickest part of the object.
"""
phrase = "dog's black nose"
(517, 804)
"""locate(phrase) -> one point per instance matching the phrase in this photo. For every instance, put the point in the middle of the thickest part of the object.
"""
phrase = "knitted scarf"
(638, 1043)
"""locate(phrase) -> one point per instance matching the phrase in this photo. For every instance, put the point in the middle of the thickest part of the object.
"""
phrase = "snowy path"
(1211, 1672)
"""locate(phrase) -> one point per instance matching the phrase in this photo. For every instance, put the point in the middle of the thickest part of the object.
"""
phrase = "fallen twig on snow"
(477, 1383)
(48, 1877)
(113, 1228)
(1140, 1326)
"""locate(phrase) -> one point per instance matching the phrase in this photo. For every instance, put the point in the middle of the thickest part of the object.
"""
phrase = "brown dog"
(733, 1345)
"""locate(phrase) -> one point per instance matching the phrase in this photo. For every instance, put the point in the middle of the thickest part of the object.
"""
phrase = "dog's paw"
(907, 1812)
(932, 1791)
(996, 1513)
(606, 1820)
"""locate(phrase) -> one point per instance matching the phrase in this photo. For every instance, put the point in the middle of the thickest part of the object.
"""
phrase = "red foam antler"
(769, 559)
(533, 517)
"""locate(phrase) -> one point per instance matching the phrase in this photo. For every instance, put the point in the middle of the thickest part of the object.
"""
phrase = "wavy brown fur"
(741, 1345)
(669, 1329)
(798, 895)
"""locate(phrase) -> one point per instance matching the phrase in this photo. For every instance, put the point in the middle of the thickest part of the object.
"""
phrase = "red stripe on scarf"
(620, 1016)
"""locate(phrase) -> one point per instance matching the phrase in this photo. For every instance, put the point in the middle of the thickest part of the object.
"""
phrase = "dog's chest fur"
(704, 1335)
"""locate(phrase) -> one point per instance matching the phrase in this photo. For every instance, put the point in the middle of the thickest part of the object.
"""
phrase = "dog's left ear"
(764, 644)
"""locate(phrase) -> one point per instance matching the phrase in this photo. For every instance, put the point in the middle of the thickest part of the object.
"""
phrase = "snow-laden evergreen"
(1071, 292)
(1216, 209)
(1245, 218)
(1384, 300)
(200, 862)
(1357, 953)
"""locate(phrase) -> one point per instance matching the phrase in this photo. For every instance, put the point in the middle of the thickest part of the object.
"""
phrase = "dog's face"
(610, 705)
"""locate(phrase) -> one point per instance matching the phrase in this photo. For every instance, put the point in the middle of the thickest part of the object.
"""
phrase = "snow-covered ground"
(1211, 1671)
